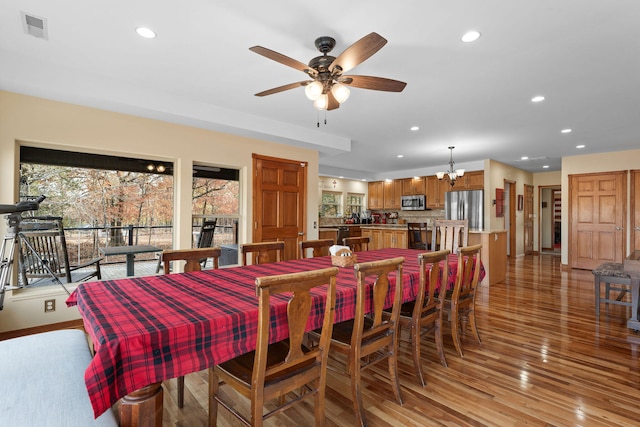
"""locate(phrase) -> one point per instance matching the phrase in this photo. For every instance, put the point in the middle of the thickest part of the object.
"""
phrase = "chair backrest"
(417, 232)
(193, 258)
(43, 247)
(371, 326)
(205, 237)
(46, 238)
(356, 244)
(298, 288)
(468, 273)
(434, 272)
(449, 234)
(319, 247)
(262, 252)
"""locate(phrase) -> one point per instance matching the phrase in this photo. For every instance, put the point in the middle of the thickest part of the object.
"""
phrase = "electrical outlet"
(49, 305)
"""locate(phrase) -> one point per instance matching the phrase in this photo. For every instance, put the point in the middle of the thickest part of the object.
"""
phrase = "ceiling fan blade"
(358, 52)
(283, 88)
(374, 83)
(283, 59)
(333, 102)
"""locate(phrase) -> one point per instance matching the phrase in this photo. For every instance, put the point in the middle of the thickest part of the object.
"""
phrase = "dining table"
(145, 330)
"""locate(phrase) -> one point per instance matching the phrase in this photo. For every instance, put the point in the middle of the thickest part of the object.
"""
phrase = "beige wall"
(543, 179)
(50, 124)
(591, 163)
(498, 173)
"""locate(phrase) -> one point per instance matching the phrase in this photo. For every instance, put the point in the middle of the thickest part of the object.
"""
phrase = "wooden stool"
(611, 272)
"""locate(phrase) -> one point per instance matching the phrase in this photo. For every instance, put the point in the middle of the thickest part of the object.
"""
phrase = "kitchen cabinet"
(392, 194)
(380, 238)
(375, 199)
(473, 180)
(493, 254)
(435, 191)
(414, 186)
(328, 233)
(375, 237)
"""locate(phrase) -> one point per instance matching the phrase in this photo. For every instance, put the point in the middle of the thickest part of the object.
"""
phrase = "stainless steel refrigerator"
(466, 204)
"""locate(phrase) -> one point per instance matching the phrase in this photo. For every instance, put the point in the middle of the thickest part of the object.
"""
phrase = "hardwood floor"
(544, 360)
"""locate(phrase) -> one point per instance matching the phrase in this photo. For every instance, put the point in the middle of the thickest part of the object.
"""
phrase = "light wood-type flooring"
(544, 361)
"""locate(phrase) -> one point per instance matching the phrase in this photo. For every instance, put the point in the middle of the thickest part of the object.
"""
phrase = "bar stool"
(611, 273)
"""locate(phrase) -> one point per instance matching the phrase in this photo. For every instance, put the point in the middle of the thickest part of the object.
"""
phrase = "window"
(331, 206)
(353, 204)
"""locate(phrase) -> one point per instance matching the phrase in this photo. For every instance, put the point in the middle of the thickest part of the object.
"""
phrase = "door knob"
(301, 233)
(619, 228)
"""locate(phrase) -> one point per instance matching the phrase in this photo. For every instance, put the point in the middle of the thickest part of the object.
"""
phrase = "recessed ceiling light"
(341, 177)
(538, 98)
(146, 33)
(400, 156)
(580, 146)
(545, 167)
(415, 128)
(470, 36)
(364, 179)
(566, 131)
(524, 158)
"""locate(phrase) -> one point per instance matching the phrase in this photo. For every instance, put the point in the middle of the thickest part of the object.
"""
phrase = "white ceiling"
(582, 55)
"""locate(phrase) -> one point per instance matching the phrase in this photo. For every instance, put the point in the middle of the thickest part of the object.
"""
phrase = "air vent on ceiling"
(34, 25)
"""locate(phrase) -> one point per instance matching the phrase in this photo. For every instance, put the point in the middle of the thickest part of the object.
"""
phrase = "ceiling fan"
(328, 87)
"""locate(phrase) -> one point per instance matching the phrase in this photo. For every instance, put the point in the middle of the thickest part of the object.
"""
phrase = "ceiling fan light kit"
(329, 87)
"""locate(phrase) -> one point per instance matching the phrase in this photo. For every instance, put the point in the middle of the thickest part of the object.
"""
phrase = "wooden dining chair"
(449, 234)
(370, 337)
(460, 303)
(193, 258)
(318, 247)
(283, 369)
(417, 232)
(356, 244)
(262, 252)
(424, 314)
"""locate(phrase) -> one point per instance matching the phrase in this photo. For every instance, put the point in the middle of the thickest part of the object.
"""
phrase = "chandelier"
(451, 174)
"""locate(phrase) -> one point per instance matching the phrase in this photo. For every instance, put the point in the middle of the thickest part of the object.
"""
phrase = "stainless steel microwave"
(413, 203)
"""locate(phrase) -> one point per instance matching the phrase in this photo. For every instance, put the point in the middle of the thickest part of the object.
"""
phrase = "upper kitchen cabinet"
(414, 186)
(471, 181)
(435, 192)
(375, 200)
(392, 194)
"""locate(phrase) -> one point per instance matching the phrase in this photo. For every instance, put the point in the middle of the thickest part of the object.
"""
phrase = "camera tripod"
(14, 242)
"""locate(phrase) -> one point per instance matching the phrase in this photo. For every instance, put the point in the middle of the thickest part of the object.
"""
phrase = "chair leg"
(180, 392)
(455, 326)
(415, 345)
(596, 282)
(319, 408)
(439, 344)
(356, 393)
(474, 327)
(393, 372)
(213, 403)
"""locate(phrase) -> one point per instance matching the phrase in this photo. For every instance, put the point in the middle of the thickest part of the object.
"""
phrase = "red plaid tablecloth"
(149, 329)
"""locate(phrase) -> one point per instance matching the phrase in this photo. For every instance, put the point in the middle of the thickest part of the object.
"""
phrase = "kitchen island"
(386, 235)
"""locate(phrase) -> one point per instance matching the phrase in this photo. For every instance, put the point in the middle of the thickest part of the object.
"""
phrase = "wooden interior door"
(597, 215)
(279, 202)
(528, 219)
(635, 210)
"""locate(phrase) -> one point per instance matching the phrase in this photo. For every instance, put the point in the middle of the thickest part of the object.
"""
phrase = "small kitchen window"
(331, 205)
(353, 204)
